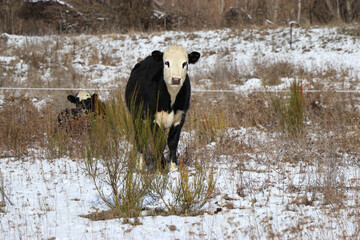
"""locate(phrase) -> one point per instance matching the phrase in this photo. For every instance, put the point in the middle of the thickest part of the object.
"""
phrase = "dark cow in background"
(90, 103)
(85, 104)
(161, 85)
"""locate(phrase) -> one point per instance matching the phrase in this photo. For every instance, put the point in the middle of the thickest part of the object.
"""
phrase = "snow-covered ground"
(262, 197)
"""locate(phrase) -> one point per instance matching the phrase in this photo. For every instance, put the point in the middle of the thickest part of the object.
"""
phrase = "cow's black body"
(147, 83)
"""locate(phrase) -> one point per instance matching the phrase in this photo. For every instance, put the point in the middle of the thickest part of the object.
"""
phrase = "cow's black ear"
(157, 55)
(193, 57)
(71, 98)
(94, 99)
(94, 96)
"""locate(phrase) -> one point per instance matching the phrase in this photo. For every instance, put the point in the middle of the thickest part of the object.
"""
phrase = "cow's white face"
(82, 100)
(175, 60)
(82, 95)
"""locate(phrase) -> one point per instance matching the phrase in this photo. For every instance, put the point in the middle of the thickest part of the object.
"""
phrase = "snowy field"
(258, 195)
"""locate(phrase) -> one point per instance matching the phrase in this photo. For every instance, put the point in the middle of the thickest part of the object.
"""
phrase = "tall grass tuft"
(3, 195)
(289, 111)
(2, 191)
(21, 127)
(210, 126)
(295, 110)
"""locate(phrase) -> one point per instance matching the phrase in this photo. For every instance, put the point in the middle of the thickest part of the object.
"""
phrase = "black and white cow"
(85, 104)
(161, 85)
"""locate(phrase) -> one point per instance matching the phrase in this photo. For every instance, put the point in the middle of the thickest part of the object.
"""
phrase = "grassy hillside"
(70, 16)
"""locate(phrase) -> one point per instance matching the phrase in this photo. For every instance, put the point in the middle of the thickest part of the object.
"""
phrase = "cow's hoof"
(173, 167)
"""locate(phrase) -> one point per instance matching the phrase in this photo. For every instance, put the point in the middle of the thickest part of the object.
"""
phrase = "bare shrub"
(254, 111)
(221, 76)
(189, 191)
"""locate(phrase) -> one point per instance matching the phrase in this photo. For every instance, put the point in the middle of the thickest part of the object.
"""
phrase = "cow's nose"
(175, 80)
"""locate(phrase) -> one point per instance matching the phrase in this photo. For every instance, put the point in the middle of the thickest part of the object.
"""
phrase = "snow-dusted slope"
(260, 198)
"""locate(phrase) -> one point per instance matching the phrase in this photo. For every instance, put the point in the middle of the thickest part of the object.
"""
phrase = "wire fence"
(55, 89)
(193, 90)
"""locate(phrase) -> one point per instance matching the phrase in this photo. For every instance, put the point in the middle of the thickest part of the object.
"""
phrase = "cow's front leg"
(173, 140)
(158, 145)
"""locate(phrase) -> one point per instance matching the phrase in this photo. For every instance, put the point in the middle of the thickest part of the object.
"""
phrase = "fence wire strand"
(193, 90)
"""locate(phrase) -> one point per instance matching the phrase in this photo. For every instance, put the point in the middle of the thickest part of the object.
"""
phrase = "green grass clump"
(294, 114)
(290, 110)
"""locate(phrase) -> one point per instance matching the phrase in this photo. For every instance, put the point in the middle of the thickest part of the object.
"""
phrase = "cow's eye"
(185, 64)
(167, 63)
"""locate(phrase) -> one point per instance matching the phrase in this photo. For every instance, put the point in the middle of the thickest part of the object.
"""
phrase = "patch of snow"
(251, 85)
(39, 104)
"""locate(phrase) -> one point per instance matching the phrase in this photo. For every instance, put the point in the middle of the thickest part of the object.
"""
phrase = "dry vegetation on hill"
(99, 16)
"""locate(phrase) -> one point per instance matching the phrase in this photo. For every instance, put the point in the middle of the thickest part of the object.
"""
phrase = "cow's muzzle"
(175, 80)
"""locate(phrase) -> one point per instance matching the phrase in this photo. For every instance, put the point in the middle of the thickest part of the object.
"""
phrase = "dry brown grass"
(271, 73)
(19, 17)
(22, 127)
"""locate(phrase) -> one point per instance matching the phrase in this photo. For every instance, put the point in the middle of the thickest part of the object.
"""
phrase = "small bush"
(193, 192)
(115, 145)
(111, 161)
(185, 193)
